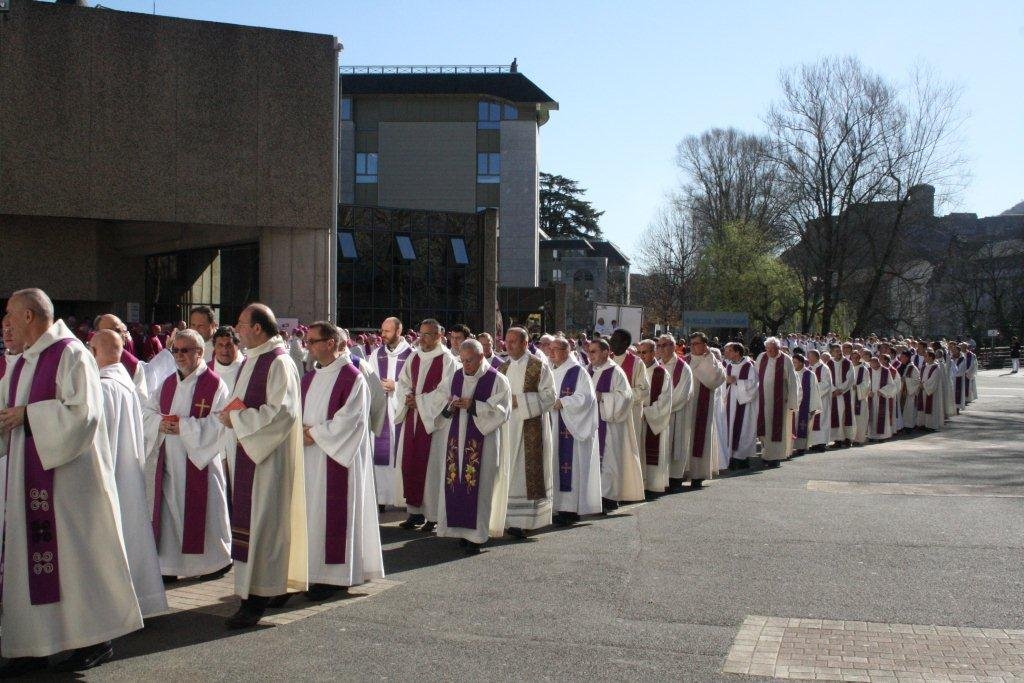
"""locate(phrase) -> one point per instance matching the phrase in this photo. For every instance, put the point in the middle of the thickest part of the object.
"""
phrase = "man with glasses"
(421, 377)
(190, 508)
(202, 320)
(264, 419)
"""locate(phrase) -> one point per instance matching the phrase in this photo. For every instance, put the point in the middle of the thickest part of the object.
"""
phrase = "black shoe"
(248, 615)
(696, 484)
(413, 522)
(168, 580)
(608, 505)
(463, 543)
(428, 527)
(772, 464)
(675, 485)
(516, 532)
(214, 575)
(279, 600)
(381, 509)
(87, 657)
(318, 592)
(472, 548)
(651, 495)
(19, 666)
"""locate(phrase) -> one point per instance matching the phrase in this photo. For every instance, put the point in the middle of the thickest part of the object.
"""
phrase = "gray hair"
(669, 337)
(546, 338)
(773, 340)
(193, 335)
(473, 345)
(646, 342)
(560, 341)
(524, 335)
(36, 300)
(431, 322)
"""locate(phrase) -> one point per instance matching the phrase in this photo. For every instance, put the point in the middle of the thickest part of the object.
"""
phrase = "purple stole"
(382, 443)
(336, 523)
(495, 362)
(776, 398)
(565, 441)
(741, 409)
(40, 496)
(652, 441)
(803, 414)
(883, 403)
(958, 389)
(844, 366)
(416, 440)
(197, 487)
(245, 468)
(130, 363)
(603, 385)
(3, 365)
(817, 418)
(462, 486)
(860, 376)
(700, 424)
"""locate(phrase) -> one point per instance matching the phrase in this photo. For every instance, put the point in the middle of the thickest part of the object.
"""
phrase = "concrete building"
(148, 163)
(592, 271)
(458, 139)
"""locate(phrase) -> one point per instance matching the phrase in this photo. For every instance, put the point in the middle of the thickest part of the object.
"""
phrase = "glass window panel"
(346, 108)
(405, 247)
(511, 113)
(361, 163)
(488, 179)
(495, 163)
(494, 113)
(371, 163)
(459, 250)
(481, 111)
(347, 245)
(481, 163)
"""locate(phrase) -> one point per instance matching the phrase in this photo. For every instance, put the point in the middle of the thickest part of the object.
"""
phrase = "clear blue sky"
(633, 78)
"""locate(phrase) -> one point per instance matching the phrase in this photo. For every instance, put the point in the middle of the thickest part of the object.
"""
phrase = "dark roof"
(514, 87)
(594, 247)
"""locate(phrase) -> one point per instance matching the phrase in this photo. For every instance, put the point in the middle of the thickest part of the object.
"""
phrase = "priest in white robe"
(841, 408)
(622, 478)
(136, 368)
(971, 372)
(368, 369)
(884, 390)
(861, 389)
(577, 489)
(910, 387)
(227, 355)
(66, 583)
(739, 405)
(808, 406)
(202, 320)
(958, 373)
(636, 371)
(423, 373)
(679, 427)
(527, 442)
(930, 412)
(656, 447)
(389, 358)
(819, 437)
(341, 505)
(123, 416)
(268, 508)
(186, 440)
(708, 375)
(473, 494)
(777, 401)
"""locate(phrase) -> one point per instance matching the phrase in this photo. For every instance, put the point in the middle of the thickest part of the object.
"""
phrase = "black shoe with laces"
(87, 657)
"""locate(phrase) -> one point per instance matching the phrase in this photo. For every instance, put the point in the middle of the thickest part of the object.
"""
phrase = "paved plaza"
(891, 562)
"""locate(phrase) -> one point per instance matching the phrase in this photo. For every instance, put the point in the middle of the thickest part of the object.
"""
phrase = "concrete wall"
(428, 166)
(519, 242)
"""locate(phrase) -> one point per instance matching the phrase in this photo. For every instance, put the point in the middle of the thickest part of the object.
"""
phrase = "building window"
(488, 167)
(556, 275)
(488, 115)
(347, 246)
(459, 251)
(366, 167)
(554, 254)
(405, 250)
(346, 108)
(583, 276)
(509, 113)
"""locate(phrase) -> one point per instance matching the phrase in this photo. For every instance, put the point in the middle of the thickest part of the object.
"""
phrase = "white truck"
(608, 317)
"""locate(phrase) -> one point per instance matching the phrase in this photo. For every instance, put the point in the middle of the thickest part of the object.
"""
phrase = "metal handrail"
(439, 69)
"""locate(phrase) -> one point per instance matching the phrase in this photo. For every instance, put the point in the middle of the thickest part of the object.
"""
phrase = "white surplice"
(524, 512)
(813, 399)
(821, 436)
(641, 385)
(387, 478)
(790, 397)
(657, 416)
(909, 391)
(272, 437)
(199, 441)
(160, 367)
(931, 388)
(882, 402)
(123, 416)
(493, 475)
(679, 424)
(344, 437)
(708, 373)
(622, 476)
(861, 409)
(229, 373)
(743, 392)
(579, 413)
(97, 600)
(842, 380)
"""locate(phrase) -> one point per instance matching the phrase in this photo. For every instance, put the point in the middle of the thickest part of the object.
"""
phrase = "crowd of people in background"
(274, 452)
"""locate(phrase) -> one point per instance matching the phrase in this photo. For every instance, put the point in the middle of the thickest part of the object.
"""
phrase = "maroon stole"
(817, 418)
(628, 363)
(677, 371)
(415, 439)
(776, 398)
(860, 374)
(336, 523)
(3, 365)
(741, 409)
(700, 424)
(382, 443)
(652, 441)
(197, 481)
(245, 468)
(884, 404)
(40, 496)
(130, 363)
(925, 402)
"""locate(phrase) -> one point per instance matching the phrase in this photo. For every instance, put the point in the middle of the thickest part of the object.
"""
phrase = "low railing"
(440, 69)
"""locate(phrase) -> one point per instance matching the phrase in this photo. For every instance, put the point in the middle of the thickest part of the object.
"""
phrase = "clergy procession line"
(277, 462)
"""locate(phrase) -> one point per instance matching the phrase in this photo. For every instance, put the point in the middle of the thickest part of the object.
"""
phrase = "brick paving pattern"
(218, 597)
(915, 489)
(822, 649)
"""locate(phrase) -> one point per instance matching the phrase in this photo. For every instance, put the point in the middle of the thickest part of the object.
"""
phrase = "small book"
(237, 404)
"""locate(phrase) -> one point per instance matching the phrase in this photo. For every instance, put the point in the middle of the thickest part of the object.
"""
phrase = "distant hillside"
(1018, 209)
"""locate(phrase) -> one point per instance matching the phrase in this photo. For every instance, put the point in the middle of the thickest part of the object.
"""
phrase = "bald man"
(135, 367)
(123, 414)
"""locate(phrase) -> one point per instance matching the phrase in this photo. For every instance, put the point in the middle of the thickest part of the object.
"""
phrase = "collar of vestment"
(401, 346)
(195, 374)
(237, 361)
(737, 363)
(268, 345)
(434, 353)
(599, 368)
(479, 371)
(56, 331)
(117, 373)
(568, 363)
(335, 366)
(522, 359)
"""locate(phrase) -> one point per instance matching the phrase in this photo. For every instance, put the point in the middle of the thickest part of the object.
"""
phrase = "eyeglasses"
(181, 352)
(666, 345)
(315, 341)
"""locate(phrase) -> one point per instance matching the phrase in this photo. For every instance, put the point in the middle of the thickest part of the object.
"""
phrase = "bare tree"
(667, 252)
